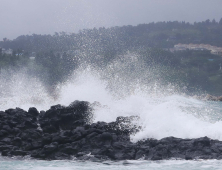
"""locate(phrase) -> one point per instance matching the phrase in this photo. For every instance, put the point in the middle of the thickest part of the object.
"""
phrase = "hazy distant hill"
(56, 56)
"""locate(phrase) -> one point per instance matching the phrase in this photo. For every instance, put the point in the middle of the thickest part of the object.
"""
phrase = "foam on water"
(161, 115)
(14, 164)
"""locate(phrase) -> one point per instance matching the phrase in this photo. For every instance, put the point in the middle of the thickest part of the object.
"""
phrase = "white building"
(214, 50)
(9, 51)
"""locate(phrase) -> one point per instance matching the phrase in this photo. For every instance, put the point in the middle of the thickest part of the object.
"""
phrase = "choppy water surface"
(10, 164)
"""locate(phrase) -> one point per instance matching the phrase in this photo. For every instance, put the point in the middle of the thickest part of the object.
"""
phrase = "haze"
(48, 16)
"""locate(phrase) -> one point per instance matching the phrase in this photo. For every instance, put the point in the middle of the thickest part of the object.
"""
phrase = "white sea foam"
(163, 112)
(20, 90)
(127, 164)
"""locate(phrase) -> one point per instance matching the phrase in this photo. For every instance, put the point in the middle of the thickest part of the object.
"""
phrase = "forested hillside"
(53, 57)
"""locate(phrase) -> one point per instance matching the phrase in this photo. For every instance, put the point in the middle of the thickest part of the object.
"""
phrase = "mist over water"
(124, 87)
(21, 90)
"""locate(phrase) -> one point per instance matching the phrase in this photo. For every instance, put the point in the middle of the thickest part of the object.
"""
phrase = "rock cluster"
(67, 132)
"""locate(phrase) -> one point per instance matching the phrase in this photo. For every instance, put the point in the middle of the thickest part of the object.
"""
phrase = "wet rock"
(3, 133)
(69, 150)
(5, 147)
(18, 153)
(106, 136)
(140, 154)
(28, 124)
(61, 156)
(50, 148)
(5, 153)
(33, 112)
(61, 139)
(46, 139)
(156, 157)
(6, 140)
(63, 132)
(202, 142)
(17, 141)
(49, 129)
(36, 144)
(7, 128)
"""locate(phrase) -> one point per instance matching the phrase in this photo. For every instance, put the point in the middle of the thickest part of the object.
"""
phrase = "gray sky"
(21, 17)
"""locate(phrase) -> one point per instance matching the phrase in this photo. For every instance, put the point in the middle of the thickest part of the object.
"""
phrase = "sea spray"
(122, 88)
(19, 89)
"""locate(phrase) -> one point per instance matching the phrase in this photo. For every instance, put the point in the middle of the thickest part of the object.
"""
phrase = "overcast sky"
(21, 17)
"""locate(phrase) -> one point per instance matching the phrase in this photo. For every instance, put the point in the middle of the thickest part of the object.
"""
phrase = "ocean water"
(163, 110)
(9, 164)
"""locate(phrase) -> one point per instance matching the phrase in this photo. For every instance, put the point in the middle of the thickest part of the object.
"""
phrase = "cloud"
(49, 16)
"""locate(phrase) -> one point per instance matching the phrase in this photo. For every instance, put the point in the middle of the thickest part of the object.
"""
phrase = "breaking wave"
(122, 88)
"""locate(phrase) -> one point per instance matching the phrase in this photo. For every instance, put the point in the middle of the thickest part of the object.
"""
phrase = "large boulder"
(63, 118)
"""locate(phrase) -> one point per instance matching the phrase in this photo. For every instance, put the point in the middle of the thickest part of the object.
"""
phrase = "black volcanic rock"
(63, 132)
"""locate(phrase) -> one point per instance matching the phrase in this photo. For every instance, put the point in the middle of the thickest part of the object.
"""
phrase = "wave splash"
(163, 110)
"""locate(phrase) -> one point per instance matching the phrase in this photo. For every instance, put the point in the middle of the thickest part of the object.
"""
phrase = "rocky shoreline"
(67, 132)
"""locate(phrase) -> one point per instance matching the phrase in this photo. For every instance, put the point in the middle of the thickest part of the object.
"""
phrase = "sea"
(13, 164)
(164, 110)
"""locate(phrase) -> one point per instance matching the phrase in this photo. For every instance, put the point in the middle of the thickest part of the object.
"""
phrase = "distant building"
(19, 54)
(214, 50)
(172, 38)
(73, 52)
(32, 58)
(33, 55)
(180, 47)
(210, 59)
(3, 50)
(9, 51)
(217, 52)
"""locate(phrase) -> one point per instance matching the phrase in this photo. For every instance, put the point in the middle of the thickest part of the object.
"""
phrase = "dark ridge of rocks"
(66, 132)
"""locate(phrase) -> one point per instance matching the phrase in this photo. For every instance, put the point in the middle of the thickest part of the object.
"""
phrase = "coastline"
(62, 133)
